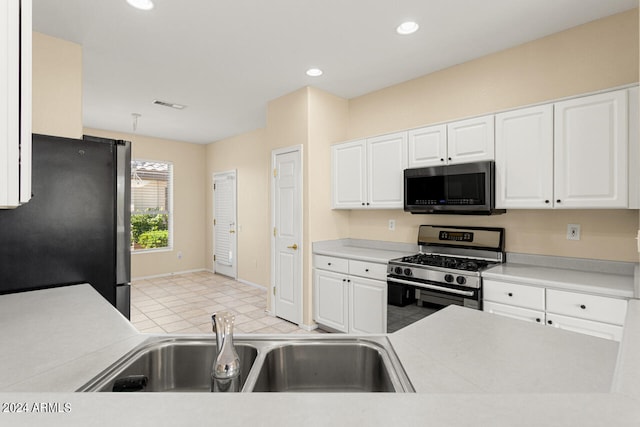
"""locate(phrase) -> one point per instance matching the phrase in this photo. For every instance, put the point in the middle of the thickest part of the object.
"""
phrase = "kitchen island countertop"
(469, 368)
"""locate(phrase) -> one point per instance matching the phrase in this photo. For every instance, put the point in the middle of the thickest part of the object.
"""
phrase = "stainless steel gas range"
(447, 270)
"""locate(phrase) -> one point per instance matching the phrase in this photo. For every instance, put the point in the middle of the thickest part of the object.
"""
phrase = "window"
(151, 205)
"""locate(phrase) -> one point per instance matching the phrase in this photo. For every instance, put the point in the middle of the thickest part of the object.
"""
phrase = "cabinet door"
(331, 300)
(387, 160)
(588, 327)
(519, 313)
(15, 103)
(348, 175)
(367, 306)
(428, 146)
(591, 151)
(471, 140)
(524, 158)
(634, 148)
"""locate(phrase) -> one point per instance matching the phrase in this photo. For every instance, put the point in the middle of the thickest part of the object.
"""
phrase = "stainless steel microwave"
(466, 189)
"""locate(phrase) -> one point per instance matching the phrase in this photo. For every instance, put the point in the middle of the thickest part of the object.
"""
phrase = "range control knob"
(398, 270)
(407, 272)
(448, 278)
(461, 280)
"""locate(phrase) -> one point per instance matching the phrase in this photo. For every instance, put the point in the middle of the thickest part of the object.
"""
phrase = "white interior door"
(287, 234)
(224, 223)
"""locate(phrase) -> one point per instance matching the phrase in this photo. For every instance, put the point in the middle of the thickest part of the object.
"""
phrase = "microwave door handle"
(430, 286)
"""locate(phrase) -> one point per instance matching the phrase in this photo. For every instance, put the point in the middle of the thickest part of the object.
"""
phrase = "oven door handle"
(430, 286)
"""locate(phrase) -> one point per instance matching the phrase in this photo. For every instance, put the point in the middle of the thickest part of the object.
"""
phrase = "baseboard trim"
(255, 285)
(175, 273)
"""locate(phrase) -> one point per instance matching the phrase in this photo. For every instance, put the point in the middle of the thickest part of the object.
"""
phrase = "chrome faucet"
(225, 372)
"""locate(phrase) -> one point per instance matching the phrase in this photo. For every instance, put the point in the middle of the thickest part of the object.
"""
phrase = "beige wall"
(598, 55)
(188, 204)
(247, 154)
(57, 87)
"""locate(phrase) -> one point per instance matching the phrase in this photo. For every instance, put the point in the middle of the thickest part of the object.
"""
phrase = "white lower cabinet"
(589, 314)
(331, 295)
(350, 296)
(597, 329)
(513, 312)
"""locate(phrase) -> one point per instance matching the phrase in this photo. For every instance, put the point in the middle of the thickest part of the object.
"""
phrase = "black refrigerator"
(76, 227)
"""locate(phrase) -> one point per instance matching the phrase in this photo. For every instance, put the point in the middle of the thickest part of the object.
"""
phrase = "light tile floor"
(184, 303)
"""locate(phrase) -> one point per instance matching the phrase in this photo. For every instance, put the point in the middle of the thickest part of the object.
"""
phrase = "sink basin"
(302, 364)
(324, 367)
(174, 365)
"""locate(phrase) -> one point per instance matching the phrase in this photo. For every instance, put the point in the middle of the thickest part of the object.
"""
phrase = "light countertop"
(607, 284)
(364, 250)
(469, 368)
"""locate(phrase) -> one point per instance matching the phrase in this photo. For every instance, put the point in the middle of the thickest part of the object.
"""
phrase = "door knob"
(294, 247)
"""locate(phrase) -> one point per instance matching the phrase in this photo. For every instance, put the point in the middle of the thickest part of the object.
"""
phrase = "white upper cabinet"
(386, 162)
(470, 140)
(524, 158)
(634, 148)
(570, 154)
(428, 146)
(349, 175)
(590, 151)
(369, 173)
(15, 103)
(464, 141)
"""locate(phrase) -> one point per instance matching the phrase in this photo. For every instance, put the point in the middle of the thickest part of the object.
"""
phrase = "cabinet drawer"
(585, 306)
(514, 312)
(512, 294)
(368, 269)
(588, 327)
(339, 265)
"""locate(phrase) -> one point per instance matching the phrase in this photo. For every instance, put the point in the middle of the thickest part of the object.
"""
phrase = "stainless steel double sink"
(306, 364)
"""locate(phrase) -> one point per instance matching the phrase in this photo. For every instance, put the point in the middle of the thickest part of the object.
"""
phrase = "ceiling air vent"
(169, 104)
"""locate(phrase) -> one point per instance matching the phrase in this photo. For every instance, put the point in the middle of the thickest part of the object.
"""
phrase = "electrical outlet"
(573, 231)
(392, 224)
(179, 254)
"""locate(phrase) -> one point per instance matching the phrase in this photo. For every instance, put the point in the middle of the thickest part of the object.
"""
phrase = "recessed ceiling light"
(141, 4)
(408, 27)
(314, 72)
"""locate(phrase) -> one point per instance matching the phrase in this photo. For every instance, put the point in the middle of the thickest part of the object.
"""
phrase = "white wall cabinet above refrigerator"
(568, 154)
(368, 173)
(462, 141)
(15, 103)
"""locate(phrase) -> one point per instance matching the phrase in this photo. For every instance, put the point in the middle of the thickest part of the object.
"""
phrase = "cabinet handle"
(348, 280)
(449, 158)
(538, 319)
(582, 306)
(510, 294)
(441, 159)
(328, 263)
(550, 322)
(344, 280)
(362, 203)
(366, 270)
(558, 201)
(368, 203)
(546, 201)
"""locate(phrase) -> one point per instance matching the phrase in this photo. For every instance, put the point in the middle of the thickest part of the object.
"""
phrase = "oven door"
(412, 300)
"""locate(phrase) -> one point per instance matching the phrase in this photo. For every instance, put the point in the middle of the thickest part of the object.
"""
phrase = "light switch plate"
(392, 224)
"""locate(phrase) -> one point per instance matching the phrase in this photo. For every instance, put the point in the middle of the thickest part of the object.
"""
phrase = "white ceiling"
(225, 59)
